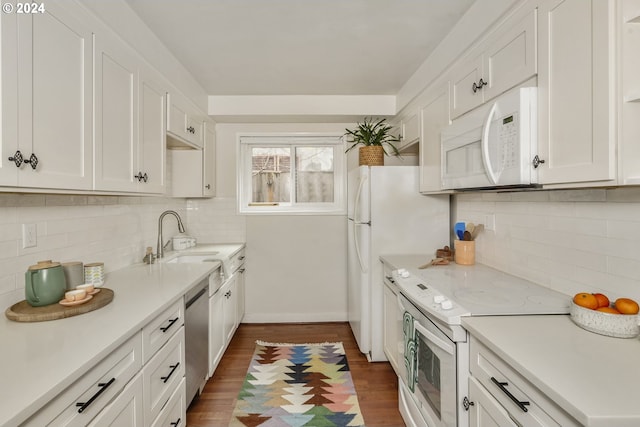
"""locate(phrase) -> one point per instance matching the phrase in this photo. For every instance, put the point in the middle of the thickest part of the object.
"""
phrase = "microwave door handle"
(485, 145)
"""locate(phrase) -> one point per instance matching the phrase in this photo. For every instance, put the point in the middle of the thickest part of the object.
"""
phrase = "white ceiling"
(301, 47)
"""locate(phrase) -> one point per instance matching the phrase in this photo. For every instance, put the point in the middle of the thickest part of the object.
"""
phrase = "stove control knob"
(438, 299)
(446, 304)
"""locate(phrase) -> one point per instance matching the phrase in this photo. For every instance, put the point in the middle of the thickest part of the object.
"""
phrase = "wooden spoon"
(467, 236)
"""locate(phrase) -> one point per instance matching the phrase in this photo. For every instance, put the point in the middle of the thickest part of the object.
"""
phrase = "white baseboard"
(293, 317)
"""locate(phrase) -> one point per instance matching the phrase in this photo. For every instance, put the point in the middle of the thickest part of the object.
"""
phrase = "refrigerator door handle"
(363, 267)
(356, 202)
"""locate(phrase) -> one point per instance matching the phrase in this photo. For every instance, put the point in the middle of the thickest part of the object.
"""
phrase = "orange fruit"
(626, 306)
(586, 300)
(608, 310)
(603, 301)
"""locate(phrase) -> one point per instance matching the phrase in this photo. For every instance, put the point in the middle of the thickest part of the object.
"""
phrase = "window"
(291, 174)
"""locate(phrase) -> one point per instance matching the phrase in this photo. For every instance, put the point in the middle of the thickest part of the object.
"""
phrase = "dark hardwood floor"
(376, 383)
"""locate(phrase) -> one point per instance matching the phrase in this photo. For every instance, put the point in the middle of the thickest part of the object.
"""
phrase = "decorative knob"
(467, 403)
(138, 177)
(17, 158)
(208, 186)
(32, 160)
(477, 86)
(537, 161)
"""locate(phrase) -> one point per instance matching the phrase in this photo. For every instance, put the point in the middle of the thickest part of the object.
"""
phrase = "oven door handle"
(442, 344)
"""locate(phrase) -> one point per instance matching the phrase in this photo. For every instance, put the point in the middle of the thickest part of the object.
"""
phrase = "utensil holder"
(465, 252)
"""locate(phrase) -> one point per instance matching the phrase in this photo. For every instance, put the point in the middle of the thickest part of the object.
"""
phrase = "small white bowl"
(76, 295)
(609, 324)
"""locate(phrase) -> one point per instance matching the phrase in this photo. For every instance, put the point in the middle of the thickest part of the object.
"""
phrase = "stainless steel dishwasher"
(196, 327)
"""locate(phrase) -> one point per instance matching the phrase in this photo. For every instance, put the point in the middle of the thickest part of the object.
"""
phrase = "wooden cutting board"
(23, 312)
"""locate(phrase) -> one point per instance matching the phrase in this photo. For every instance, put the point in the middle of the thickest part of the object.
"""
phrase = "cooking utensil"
(470, 227)
(467, 236)
(458, 228)
(477, 229)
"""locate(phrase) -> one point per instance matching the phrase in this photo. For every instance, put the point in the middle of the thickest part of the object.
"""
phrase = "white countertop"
(594, 378)
(38, 360)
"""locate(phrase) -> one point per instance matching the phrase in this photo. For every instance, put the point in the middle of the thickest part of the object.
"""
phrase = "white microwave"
(493, 145)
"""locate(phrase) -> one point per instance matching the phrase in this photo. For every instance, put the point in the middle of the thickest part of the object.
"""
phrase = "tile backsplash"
(571, 241)
(110, 229)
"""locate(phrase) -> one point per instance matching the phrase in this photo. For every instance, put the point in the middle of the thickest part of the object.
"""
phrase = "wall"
(296, 268)
(110, 229)
(571, 241)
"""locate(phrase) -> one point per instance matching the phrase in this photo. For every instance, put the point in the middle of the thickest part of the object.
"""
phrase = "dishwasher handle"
(195, 297)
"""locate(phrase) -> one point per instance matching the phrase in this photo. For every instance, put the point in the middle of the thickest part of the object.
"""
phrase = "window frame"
(246, 141)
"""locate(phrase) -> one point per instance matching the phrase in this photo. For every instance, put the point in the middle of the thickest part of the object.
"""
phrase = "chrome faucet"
(160, 249)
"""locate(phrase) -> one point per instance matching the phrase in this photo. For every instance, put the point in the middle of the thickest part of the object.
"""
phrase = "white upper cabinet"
(576, 97)
(130, 123)
(435, 117)
(629, 61)
(47, 100)
(505, 60)
(410, 130)
(116, 112)
(193, 171)
(152, 131)
(184, 123)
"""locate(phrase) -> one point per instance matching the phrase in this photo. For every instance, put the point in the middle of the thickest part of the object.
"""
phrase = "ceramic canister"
(73, 273)
(94, 273)
(44, 283)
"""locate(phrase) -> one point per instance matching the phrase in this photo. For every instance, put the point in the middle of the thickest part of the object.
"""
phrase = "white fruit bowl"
(609, 324)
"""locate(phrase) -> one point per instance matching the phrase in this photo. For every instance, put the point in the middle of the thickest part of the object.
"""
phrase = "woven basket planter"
(372, 155)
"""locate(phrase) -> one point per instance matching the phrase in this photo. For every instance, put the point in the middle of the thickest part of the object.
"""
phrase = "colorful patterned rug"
(296, 385)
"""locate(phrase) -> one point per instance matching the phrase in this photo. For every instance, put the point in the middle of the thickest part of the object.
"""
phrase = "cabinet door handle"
(138, 177)
(32, 160)
(17, 158)
(502, 386)
(171, 322)
(175, 423)
(477, 86)
(173, 369)
(208, 186)
(242, 270)
(145, 177)
(241, 258)
(537, 161)
(103, 387)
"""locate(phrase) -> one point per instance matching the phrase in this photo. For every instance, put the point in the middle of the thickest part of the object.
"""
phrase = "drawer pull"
(501, 386)
(390, 279)
(103, 387)
(175, 424)
(173, 369)
(171, 322)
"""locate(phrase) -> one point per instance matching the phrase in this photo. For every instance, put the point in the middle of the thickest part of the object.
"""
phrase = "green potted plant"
(373, 135)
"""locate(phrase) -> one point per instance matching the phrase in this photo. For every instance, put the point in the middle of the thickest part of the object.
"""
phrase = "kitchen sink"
(208, 257)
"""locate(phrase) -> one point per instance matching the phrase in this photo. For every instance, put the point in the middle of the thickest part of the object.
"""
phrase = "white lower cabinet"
(173, 413)
(162, 375)
(89, 395)
(226, 310)
(500, 396)
(139, 383)
(486, 411)
(124, 410)
(217, 343)
(390, 332)
(230, 308)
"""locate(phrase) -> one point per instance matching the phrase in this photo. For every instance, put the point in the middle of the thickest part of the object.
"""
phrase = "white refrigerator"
(386, 215)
